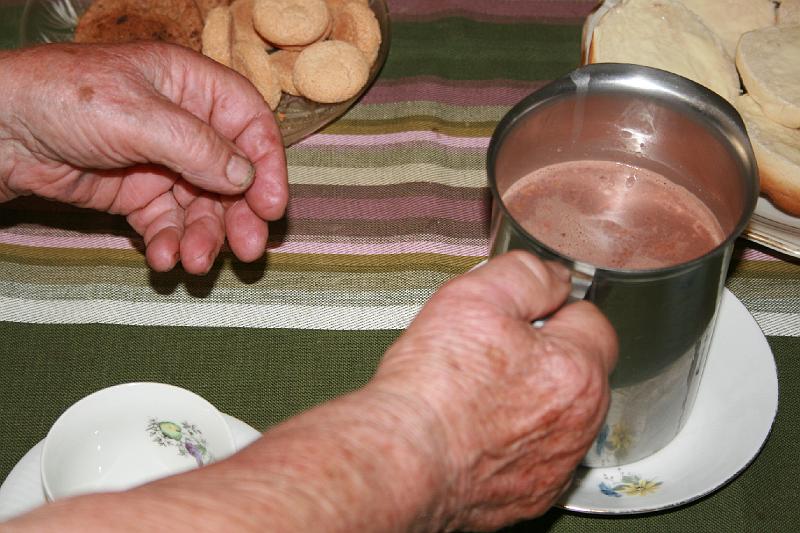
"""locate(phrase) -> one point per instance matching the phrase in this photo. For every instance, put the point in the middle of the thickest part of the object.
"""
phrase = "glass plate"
(53, 21)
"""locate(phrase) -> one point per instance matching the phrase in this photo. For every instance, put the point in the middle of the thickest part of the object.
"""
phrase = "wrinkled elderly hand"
(519, 406)
(186, 149)
(474, 420)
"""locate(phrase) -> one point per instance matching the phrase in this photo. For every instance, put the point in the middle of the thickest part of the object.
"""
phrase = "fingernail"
(239, 171)
(559, 271)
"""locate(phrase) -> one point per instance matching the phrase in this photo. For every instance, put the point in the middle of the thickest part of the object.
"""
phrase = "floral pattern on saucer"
(618, 439)
(186, 437)
(628, 485)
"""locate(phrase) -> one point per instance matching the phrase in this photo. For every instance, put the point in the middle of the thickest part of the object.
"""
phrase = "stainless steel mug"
(664, 317)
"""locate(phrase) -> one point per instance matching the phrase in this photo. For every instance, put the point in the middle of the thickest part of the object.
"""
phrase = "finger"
(163, 252)
(235, 109)
(584, 325)
(119, 191)
(160, 223)
(185, 193)
(192, 148)
(516, 283)
(269, 193)
(203, 236)
(247, 232)
(138, 187)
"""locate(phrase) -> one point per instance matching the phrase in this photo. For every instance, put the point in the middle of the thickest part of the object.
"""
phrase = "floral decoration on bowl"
(186, 437)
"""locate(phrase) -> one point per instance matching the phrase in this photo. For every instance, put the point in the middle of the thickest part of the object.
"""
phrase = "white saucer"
(732, 416)
(22, 490)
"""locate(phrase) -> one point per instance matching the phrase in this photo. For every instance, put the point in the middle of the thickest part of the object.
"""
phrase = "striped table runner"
(386, 204)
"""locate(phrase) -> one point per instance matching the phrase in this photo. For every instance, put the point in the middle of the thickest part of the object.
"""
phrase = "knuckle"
(578, 378)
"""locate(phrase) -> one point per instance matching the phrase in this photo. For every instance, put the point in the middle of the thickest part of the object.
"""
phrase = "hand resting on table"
(183, 147)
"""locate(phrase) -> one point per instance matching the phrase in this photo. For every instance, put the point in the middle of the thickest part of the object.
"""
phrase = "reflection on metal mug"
(664, 316)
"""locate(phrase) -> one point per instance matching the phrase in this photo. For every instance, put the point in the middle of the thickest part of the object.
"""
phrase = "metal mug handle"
(582, 279)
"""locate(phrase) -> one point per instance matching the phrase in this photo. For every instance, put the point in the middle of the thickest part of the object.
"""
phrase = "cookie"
(330, 71)
(254, 63)
(355, 23)
(217, 35)
(291, 22)
(205, 6)
(283, 61)
(118, 21)
(242, 29)
(300, 47)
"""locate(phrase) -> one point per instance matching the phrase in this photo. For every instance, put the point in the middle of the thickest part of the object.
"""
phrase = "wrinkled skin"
(145, 131)
(519, 406)
(474, 419)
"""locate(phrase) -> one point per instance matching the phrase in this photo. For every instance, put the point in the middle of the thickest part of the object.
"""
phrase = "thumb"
(191, 147)
(515, 284)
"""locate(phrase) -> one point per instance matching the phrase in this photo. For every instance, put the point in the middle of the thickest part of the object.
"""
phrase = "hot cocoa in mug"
(639, 181)
(613, 215)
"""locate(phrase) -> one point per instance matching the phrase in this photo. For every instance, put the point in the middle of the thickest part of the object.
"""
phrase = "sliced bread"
(664, 34)
(729, 19)
(769, 64)
(789, 12)
(777, 150)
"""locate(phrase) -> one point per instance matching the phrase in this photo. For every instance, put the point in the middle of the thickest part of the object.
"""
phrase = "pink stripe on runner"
(92, 242)
(751, 254)
(327, 139)
(470, 93)
(428, 207)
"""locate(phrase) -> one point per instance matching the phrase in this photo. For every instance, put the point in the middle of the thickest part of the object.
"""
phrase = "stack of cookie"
(119, 21)
(318, 49)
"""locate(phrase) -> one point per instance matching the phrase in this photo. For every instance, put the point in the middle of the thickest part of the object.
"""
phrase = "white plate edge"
(753, 454)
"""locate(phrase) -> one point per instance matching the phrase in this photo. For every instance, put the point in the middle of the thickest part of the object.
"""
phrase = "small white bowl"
(129, 434)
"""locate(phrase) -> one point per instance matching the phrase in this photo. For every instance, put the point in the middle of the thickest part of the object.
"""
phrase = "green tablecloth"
(387, 204)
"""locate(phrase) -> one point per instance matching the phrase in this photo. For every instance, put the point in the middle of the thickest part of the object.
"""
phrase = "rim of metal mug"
(637, 79)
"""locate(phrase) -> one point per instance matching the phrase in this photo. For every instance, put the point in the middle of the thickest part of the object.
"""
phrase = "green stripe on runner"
(425, 108)
(348, 230)
(420, 123)
(518, 51)
(256, 375)
(117, 296)
(64, 257)
(766, 269)
(388, 175)
(10, 17)
(332, 157)
(23, 280)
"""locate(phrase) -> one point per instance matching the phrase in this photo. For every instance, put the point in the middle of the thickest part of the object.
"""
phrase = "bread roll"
(789, 12)
(769, 64)
(729, 19)
(777, 150)
(664, 34)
